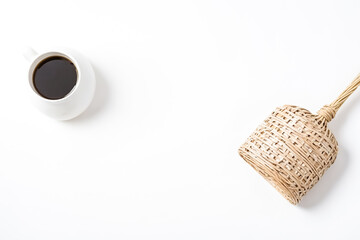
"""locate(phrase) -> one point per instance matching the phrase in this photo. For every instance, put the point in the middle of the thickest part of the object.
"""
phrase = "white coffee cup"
(81, 95)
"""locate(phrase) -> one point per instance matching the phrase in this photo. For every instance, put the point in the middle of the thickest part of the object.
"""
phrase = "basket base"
(291, 149)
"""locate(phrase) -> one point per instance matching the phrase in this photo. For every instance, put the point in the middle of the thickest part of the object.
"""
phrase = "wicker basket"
(293, 148)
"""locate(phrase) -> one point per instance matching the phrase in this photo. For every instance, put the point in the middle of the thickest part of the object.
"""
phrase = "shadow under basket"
(291, 149)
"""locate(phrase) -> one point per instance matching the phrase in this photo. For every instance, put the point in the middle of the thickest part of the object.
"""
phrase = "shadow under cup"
(54, 76)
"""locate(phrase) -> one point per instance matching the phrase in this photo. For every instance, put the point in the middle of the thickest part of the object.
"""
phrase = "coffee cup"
(62, 82)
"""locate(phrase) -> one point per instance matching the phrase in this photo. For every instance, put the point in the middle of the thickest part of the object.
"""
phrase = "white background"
(181, 84)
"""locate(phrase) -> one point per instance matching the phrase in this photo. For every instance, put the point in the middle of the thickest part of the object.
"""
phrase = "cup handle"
(29, 53)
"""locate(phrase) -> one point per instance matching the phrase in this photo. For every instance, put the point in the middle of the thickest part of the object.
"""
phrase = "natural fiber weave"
(293, 148)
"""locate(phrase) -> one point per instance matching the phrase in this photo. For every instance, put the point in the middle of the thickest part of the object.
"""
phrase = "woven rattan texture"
(291, 149)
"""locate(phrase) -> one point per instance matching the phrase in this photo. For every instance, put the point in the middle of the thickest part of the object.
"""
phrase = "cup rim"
(43, 56)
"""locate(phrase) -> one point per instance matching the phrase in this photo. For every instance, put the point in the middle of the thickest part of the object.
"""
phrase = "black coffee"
(54, 77)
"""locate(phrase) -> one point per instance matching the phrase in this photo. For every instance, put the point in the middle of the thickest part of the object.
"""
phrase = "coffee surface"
(55, 77)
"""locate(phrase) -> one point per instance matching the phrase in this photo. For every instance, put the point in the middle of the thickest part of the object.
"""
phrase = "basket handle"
(328, 112)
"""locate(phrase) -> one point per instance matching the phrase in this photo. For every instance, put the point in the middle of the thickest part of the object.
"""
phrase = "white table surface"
(181, 84)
